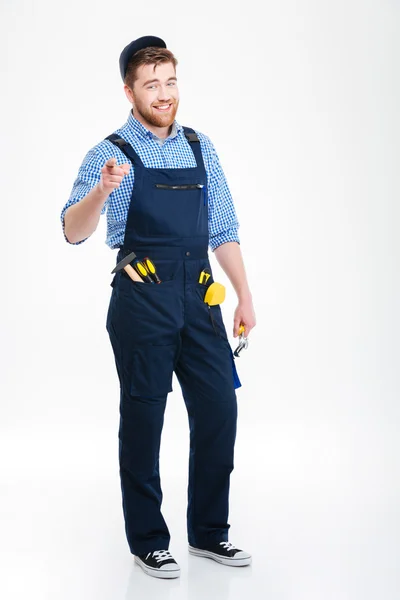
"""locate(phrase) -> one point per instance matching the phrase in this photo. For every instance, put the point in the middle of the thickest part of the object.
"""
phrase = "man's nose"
(164, 93)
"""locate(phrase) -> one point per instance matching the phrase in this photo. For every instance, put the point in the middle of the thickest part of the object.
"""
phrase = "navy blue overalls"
(158, 329)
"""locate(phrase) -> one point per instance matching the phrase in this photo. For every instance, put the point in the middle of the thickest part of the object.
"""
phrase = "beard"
(156, 118)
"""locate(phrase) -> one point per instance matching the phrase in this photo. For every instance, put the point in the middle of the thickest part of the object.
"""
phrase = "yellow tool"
(142, 271)
(150, 266)
(215, 294)
(204, 276)
(243, 342)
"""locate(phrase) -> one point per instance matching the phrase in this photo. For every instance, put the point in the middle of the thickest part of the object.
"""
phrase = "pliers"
(243, 342)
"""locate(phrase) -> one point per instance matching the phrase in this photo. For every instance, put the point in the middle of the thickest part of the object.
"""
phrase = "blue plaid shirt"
(173, 152)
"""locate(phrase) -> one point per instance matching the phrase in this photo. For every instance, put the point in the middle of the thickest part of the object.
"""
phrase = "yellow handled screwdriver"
(142, 271)
(150, 266)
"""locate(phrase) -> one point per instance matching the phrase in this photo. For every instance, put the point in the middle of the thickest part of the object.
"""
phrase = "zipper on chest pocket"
(188, 186)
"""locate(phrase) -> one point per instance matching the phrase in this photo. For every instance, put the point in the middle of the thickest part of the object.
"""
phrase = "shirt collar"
(138, 128)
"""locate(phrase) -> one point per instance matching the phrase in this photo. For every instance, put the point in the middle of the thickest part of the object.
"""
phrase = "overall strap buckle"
(118, 141)
(125, 147)
(190, 134)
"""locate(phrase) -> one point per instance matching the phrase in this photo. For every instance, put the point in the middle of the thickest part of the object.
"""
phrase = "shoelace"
(160, 555)
(228, 546)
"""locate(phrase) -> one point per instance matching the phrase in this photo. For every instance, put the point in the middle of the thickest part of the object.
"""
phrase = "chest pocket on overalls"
(177, 210)
(188, 186)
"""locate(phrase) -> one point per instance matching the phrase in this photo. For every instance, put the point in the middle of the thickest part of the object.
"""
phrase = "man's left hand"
(244, 315)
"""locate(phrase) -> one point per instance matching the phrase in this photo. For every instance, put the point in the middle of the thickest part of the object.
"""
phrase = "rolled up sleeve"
(88, 176)
(222, 217)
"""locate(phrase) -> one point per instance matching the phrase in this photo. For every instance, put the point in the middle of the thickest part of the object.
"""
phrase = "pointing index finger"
(111, 162)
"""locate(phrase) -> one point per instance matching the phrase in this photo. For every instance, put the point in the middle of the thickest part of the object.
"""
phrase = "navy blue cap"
(135, 46)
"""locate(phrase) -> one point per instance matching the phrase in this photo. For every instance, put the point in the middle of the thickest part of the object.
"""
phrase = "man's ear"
(129, 93)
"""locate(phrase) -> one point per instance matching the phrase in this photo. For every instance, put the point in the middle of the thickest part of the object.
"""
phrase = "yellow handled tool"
(142, 271)
(243, 342)
(148, 263)
(204, 276)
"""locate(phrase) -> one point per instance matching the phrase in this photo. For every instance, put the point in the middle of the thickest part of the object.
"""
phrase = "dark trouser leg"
(145, 375)
(141, 422)
(205, 375)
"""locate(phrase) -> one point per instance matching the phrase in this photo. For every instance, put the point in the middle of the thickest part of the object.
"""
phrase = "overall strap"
(130, 153)
(190, 134)
(192, 138)
(125, 147)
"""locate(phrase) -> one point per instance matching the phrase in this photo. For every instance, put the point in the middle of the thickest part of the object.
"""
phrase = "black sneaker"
(224, 553)
(159, 563)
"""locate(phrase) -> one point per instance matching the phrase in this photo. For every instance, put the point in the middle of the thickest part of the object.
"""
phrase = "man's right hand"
(112, 175)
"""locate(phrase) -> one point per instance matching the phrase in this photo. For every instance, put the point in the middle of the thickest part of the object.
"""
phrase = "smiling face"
(155, 96)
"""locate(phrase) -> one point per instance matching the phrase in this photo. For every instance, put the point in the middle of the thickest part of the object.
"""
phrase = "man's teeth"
(164, 107)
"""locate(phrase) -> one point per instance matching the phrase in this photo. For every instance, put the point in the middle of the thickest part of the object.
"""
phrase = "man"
(169, 201)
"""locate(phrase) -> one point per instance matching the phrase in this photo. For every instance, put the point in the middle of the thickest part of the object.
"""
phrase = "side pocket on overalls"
(215, 314)
(152, 368)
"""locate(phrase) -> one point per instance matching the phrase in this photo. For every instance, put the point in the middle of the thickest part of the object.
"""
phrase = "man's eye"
(153, 86)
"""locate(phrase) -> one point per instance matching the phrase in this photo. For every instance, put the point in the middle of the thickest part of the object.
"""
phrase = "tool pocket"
(215, 315)
(152, 369)
(126, 283)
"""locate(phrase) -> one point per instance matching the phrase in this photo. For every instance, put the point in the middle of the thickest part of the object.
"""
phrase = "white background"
(301, 101)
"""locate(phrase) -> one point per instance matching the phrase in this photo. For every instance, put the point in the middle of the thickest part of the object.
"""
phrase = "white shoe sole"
(161, 573)
(230, 562)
